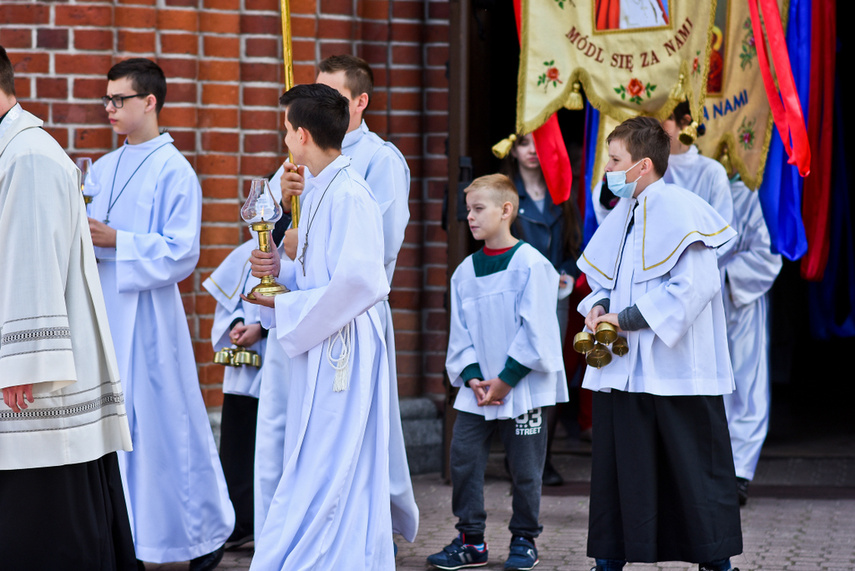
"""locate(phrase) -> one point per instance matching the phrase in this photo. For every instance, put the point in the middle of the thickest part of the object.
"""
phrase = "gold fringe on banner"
(503, 147)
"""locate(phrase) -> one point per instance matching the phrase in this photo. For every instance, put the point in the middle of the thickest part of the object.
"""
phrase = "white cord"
(342, 362)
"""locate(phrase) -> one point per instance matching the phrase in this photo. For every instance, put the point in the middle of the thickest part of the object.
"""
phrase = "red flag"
(551, 150)
(786, 108)
(816, 204)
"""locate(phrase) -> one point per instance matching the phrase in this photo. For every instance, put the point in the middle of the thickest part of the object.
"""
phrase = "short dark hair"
(320, 110)
(679, 116)
(358, 77)
(644, 137)
(145, 75)
(7, 73)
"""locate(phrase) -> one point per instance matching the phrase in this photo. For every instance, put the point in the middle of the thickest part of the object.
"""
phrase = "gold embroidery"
(644, 265)
(595, 267)
(620, 251)
(242, 272)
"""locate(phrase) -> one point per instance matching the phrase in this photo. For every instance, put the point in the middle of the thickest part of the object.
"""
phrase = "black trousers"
(237, 455)
(70, 517)
(663, 486)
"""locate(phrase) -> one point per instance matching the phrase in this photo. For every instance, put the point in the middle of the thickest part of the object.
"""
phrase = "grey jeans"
(524, 439)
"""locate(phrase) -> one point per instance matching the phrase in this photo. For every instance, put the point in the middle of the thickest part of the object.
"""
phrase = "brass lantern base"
(267, 287)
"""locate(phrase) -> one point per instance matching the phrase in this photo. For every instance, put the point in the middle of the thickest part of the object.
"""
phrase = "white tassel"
(341, 364)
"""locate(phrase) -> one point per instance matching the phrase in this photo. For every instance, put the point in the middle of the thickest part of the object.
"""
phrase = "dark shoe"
(140, 565)
(207, 562)
(742, 490)
(523, 555)
(458, 555)
(236, 541)
(717, 566)
(551, 477)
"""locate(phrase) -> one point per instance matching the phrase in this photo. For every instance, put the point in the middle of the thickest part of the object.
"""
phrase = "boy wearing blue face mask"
(662, 470)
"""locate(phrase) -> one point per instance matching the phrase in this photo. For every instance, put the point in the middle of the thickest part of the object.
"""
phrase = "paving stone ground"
(800, 517)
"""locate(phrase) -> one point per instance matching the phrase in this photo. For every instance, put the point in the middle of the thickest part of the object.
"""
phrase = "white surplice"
(385, 170)
(750, 269)
(232, 278)
(272, 406)
(665, 264)
(508, 313)
(331, 509)
(54, 332)
(703, 176)
(270, 428)
(177, 497)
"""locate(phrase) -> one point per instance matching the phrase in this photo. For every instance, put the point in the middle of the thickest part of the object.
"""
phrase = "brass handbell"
(256, 359)
(583, 342)
(224, 356)
(620, 346)
(606, 333)
(599, 356)
(243, 357)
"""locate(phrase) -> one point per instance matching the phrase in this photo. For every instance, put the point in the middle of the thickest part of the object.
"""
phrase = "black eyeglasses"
(118, 101)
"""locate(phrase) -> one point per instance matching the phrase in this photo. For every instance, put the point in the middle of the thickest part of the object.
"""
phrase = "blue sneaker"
(523, 555)
(459, 555)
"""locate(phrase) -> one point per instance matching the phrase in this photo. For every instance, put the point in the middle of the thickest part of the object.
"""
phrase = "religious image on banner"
(715, 77)
(736, 112)
(631, 57)
(629, 14)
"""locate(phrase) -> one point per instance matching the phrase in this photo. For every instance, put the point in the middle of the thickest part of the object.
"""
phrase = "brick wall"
(223, 61)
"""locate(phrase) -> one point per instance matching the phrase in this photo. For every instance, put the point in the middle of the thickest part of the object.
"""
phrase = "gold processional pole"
(289, 83)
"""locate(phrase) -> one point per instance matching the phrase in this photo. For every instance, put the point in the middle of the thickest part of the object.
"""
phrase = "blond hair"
(500, 189)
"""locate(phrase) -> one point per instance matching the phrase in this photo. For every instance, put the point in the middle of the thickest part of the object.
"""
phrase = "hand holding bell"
(595, 346)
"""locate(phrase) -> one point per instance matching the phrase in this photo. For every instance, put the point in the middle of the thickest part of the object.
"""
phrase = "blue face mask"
(616, 182)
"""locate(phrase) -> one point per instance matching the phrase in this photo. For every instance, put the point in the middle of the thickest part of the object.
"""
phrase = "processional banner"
(736, 113)
(643, 57)
(631, 57)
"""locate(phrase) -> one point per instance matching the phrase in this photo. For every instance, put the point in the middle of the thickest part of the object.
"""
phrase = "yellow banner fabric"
(631, 57)
(736, 112)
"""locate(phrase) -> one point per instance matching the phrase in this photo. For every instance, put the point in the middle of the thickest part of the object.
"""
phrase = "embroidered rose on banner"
(749, 48)
(635, 89)
(549, 77)
(746, 133)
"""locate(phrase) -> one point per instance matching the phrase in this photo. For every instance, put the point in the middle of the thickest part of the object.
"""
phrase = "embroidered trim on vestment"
(63, 411)
(36, 335)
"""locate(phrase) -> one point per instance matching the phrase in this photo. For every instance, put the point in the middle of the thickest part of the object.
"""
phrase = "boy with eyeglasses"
(145, 219)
